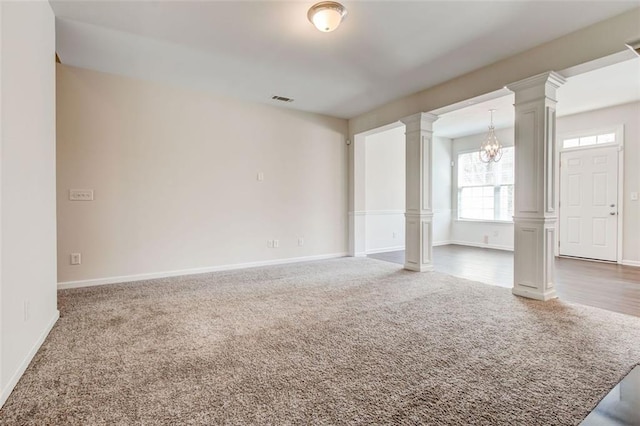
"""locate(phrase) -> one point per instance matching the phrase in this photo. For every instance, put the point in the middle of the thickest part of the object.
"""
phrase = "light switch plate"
(81, 194)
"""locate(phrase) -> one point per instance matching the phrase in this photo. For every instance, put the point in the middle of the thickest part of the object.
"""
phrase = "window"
(485, 190)
(589, 140)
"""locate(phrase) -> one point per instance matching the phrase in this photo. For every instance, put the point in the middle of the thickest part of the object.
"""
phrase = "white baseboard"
(397, 248)
(27, 360)
(153, 275)
(631, 263)
(384, 250)
(489, 246)
(441, 243)
(377, 212)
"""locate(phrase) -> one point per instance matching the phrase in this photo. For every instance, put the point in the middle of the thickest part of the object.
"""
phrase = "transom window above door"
(597, 139)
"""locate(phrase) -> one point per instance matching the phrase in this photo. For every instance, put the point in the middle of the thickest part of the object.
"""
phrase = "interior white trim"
(635, 263)
(481, 245)
(27, 360)
(377, 212)
(193, 271)
(398, 248)
(499, 222)
(385, 249)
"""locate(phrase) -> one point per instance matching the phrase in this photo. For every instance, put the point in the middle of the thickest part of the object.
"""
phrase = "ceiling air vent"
(281, 98)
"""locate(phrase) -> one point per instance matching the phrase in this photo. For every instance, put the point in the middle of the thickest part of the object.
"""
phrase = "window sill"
(502, 222)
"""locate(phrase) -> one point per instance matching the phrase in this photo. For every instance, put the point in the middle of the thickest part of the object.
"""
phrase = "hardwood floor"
(603, 285)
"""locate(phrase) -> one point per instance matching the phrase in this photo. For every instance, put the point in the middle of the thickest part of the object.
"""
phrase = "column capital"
(419, 121)
(537, 86)
(550, 77)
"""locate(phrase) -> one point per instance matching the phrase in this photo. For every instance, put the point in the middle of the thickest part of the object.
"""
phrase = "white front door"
(589, 203)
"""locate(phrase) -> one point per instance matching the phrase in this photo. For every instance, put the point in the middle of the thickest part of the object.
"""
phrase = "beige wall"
(175, 179)
(27, 185)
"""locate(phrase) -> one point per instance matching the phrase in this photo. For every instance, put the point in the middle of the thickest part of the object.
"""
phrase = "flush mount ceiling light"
(326, 15)
(491, 149)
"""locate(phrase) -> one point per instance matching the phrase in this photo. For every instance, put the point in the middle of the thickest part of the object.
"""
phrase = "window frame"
(496, 191)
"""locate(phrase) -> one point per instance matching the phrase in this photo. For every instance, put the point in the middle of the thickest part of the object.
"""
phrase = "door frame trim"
(619, 131)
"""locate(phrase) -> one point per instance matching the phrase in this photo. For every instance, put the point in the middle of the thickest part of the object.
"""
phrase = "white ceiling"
(252, 50)
(611, 85)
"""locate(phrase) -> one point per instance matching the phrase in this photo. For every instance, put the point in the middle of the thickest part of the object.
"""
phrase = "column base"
(418, 268)
(533, 257)
(535, 294)
(418, 252)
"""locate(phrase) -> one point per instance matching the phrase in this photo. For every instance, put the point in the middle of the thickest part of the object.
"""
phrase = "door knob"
(612, 213)
(612, 205)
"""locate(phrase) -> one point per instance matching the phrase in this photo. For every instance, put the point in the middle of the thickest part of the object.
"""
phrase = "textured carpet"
(345, 341)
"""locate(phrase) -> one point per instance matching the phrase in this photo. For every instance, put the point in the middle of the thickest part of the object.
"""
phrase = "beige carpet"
(346, 341)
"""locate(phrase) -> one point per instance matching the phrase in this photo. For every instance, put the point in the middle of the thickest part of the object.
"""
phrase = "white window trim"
(456, 190)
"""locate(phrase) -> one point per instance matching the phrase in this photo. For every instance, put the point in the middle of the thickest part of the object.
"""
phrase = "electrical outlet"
(81, 194)
(260, 176)
(269, 243)
(276, 243)
(486, 239)
(634, 196)
(76, 258)
(300, 241)
(395, 235)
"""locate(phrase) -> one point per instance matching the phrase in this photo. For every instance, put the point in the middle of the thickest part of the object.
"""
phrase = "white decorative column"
(419, 210)
(357, 190)
(535, 214)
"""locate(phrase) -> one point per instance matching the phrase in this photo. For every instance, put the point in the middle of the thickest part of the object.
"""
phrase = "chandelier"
(491, 149)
